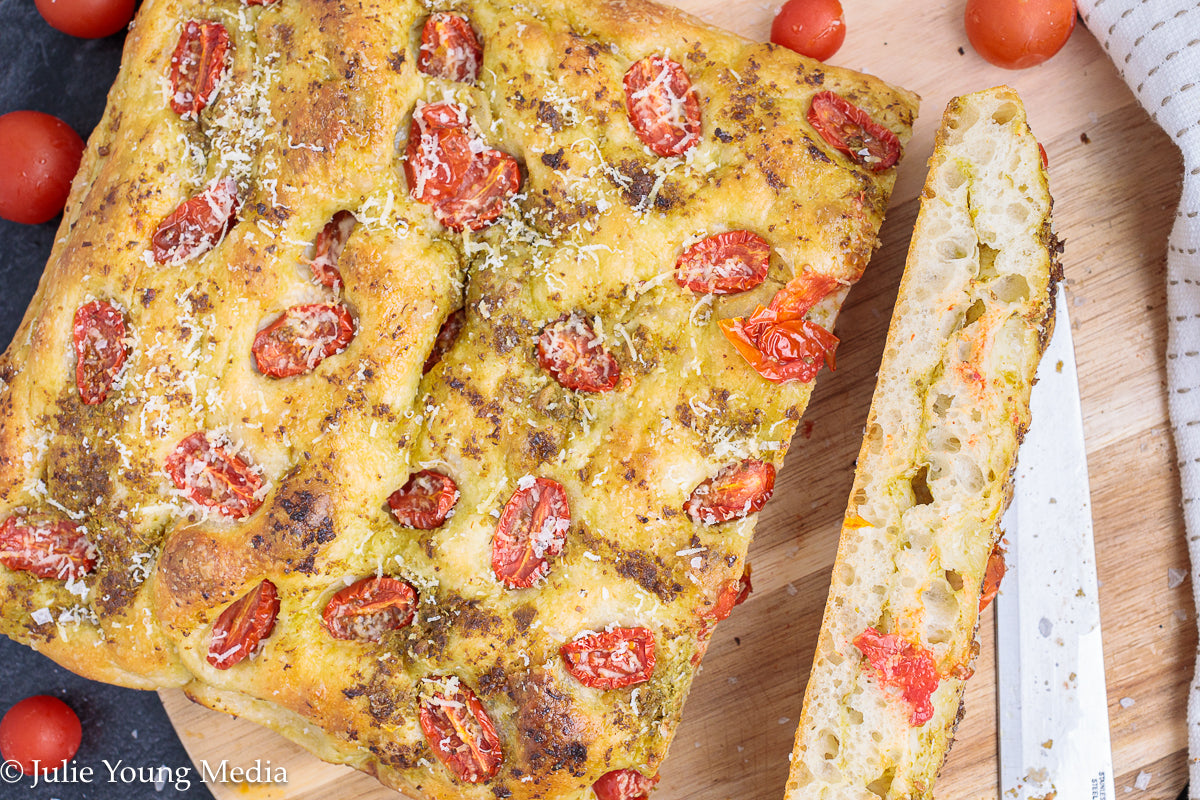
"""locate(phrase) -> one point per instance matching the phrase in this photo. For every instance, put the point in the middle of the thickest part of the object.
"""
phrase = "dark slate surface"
(44, 70)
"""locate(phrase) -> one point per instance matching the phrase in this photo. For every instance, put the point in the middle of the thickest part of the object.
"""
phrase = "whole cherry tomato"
(87, 19)
(813, 28)
(41, 729)
(39, 155)
(1016, 34)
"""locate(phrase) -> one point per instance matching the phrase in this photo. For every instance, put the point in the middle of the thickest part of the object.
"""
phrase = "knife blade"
(1051, 693)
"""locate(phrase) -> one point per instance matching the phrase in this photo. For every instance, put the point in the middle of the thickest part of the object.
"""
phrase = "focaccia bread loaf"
(974, 312)
(377, 390)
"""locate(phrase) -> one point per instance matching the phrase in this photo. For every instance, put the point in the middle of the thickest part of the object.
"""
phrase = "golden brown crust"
(312, 119)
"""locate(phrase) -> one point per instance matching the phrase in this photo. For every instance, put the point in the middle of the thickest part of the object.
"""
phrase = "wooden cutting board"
(1116, 180)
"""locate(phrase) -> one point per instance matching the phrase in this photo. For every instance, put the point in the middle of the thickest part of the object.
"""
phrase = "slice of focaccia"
(407, 378)
(934, 473)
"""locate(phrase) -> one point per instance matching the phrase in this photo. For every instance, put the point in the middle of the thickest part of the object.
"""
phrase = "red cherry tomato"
(905, 666)
(48, 549)
(438, 152)
(851, 130)
(992, 577)
(777, 341)
(736, 491)
(725, 263)
(87, 19)
(531, 531)
(623, 784)
(197, 65)
(100, 349)
(301, 338)
(327, 250)
(369, 608)
(39, 156)
(449, 168)
(460, 732)
(492, 178)
(733, 594)
(570, 350)
(662, 106)
(813, 28)
(214, 478)
(449, 48)
(1016, 34)
(242, 626)
(611, 660)
(424, 501)
(198, 224)
(446, 337)
(40, 729)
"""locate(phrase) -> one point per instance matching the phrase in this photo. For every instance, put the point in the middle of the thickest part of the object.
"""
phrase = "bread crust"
(311, 119)
(973, 315)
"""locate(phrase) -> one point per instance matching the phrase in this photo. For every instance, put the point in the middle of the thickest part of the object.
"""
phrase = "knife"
(1053, 703)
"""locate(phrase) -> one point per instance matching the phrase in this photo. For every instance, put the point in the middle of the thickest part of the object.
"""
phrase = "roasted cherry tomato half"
(733, 594)
(724, 263)
(1016, 34)
(197, 66)
(39, 733)
(852, 131)
(425, 501)
(449, 168)
(777, 341)
(446, 337)
(198, 224)
(49, 549)
(369, 608)
(492, 178)
(996, 567)
(623, 784)
(460, 732)
(243, 626)
(301, 338)
(781, 351)
(212, 477)
(662, 106)
(905, 666)
(813, 28)
(39, 156)
(449, 48)
(438, 152)
(736, 491)
(570, 350)
(86, 19)
(531, 531)
(327, 250)
(611, 660)
(100, 350)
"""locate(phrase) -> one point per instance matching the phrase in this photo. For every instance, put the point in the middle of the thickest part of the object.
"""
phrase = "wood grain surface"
(1115, 177)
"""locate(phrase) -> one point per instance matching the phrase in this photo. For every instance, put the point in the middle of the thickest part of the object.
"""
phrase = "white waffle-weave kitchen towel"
(1156, 47)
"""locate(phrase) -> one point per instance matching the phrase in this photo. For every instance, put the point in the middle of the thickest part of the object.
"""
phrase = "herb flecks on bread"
(973, 314)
